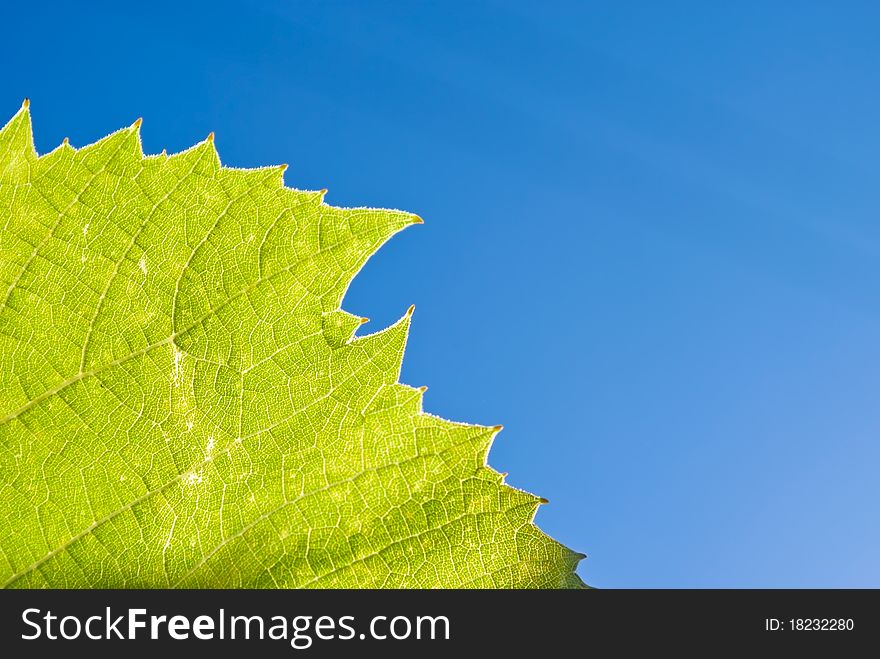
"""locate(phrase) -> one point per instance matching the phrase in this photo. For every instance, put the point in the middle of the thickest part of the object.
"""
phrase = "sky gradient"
(651, 241)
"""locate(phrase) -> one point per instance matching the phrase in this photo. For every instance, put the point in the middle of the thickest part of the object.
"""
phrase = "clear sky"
(651, 242)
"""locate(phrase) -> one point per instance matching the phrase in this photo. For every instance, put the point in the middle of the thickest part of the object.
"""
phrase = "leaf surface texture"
(183, 403)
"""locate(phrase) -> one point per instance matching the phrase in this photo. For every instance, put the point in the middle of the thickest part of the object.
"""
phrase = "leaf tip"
(422, 389)
(65, 141)
(409, 312)
(364, 321)
(210, 138)
(26, 104)
(417, 220)
(137, 123)
(282, 167)
(497, 428)
(543, 500)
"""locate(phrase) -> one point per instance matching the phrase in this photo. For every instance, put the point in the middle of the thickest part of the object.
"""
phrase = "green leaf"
(184, 404)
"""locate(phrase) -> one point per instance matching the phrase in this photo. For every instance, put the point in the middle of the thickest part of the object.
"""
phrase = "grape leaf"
(183, 403)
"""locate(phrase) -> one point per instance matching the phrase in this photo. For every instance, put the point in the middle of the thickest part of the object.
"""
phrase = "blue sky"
(651, 241)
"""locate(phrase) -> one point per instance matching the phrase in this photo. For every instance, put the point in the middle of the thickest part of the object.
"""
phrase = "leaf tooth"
(201, 158)
(271, 177)
(279, 171)
(115, 152)
(363, 230)
(211, 151)
(17, 146)
(136, 129)
(339, 327)
(385, 349)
